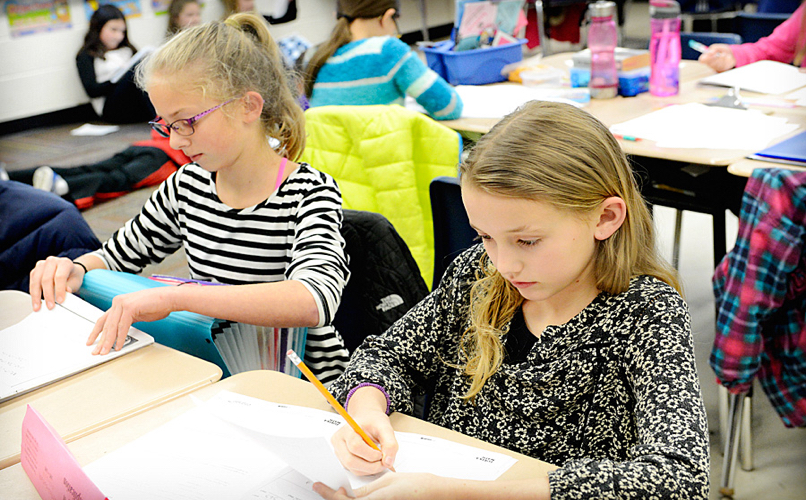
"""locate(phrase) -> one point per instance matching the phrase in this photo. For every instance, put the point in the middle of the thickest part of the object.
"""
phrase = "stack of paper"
(234, 446)
(766, 77)
(51, 344)
(696, 125)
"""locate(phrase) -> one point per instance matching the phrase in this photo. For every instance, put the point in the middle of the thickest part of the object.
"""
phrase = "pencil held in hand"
(330, 399)
(699, 47)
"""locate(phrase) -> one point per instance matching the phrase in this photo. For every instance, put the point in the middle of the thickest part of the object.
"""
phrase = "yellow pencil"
(330, 399)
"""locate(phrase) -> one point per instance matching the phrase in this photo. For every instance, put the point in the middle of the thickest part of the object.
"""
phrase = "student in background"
(364, 63)
(786, 44)
(243, 211)
(107, 49)
(183, 14)
(235, 6)
(562, 336)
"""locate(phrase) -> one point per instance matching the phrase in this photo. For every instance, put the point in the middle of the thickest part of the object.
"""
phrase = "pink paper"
(477, 17)
(50, 466)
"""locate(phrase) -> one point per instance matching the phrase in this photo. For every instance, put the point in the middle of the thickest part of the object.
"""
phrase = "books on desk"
(765, 77)
(791, 151)
(234, 347)
(49, 345)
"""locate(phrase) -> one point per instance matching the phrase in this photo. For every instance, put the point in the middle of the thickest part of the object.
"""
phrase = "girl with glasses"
(364, 63)
(561, 336)
(107, 50)
(243, 211)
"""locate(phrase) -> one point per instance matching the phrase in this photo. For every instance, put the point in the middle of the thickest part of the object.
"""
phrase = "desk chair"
(452, 231)
(706, 38)
(707, 10)
(777, 6)
(760, 297)
(383, 159)
(384, 283)
(751, 27)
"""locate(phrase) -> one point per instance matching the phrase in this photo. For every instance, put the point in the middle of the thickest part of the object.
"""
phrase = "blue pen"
(699, 47)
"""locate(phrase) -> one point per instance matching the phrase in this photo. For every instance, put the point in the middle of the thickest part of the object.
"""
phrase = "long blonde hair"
(561, 155)
(226, 59)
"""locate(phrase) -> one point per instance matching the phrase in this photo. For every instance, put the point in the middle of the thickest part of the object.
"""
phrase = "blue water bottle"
(664, 47)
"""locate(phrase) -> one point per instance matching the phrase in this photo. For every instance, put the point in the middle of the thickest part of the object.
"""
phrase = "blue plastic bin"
(472, 67)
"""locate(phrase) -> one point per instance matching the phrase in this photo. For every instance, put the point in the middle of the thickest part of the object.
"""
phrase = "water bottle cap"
(664, 9)
(602, 8)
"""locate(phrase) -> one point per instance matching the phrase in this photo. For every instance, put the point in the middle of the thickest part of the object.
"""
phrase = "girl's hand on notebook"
(112, 328)
(354, 453)
(51, 279)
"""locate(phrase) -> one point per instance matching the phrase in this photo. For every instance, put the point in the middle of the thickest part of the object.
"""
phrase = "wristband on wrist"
(368, 384)
(82, 266)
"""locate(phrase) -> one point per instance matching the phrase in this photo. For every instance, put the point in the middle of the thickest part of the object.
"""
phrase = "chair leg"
(731, 444)
(722, 395)
(747, 434)
(678, 226)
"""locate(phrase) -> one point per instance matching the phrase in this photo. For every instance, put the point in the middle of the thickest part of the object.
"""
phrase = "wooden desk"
(745, 167)
(263, 384)
(101, 396)
(665, 173)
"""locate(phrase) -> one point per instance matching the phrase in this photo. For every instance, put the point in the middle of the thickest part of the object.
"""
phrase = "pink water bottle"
(664, 47)
(602, 39)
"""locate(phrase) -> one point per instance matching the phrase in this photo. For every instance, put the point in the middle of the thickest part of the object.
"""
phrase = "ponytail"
(228, 59)
(340, 37)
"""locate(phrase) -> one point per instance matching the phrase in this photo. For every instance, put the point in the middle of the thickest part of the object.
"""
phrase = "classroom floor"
(779, 453)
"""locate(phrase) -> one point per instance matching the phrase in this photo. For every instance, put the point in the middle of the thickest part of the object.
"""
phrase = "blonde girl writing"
(562, 336)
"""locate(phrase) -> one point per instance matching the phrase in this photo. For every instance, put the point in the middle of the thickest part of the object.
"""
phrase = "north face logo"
(390, 302)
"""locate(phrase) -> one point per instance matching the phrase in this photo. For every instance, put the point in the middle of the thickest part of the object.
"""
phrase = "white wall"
(38, 72)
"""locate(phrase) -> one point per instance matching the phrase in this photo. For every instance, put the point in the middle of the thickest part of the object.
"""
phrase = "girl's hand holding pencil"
(354, 444)
(718, 56)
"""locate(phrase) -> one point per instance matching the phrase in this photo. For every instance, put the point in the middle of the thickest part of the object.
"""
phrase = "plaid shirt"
(760, 290)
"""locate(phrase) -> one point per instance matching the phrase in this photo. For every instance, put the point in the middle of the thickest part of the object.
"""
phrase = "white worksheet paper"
(695, 125)
(238, 447)
(766, 77)
(50, 344)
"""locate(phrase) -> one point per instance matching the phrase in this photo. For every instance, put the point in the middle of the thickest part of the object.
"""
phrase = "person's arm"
(670, 459)
(86, 71)
(747, 287)
(429, 89)
(779, 46)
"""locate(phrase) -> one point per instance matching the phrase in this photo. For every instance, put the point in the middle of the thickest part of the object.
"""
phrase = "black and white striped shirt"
(292, 235)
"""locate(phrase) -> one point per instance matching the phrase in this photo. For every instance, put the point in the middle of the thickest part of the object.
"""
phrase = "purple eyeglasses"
(185, 126)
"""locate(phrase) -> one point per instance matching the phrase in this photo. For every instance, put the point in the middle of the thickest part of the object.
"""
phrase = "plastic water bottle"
(602, 39)
(664, 47)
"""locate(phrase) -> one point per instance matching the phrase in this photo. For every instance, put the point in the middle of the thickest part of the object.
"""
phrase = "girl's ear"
(387, 17)
(612, 213)
(253, 106)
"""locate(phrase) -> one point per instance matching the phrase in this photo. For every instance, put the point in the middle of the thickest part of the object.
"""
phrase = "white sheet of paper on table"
(226, 448)
(695, 125)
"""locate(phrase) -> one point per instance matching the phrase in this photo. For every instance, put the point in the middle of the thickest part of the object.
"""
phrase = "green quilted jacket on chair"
(383, 159)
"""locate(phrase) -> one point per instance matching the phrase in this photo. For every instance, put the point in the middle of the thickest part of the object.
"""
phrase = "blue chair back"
(707, 39)
(452, 231)
(752, 27)
(777, 6)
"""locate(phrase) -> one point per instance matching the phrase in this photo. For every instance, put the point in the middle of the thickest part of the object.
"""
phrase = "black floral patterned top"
(612, 396)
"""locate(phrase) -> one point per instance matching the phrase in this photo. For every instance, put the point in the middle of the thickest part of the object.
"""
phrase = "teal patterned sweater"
(383, 70)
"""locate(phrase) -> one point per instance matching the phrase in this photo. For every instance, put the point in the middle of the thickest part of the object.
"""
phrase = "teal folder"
(182, 330)
(790, 150)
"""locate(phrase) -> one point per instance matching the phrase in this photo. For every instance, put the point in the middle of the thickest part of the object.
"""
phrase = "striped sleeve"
(149, 237)
(430, 90)
(317, 259)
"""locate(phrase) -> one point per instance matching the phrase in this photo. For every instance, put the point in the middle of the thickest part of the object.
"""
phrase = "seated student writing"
(562, 336)
(106, 50)
(244, 213)
(363, 63)
(786, 44)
